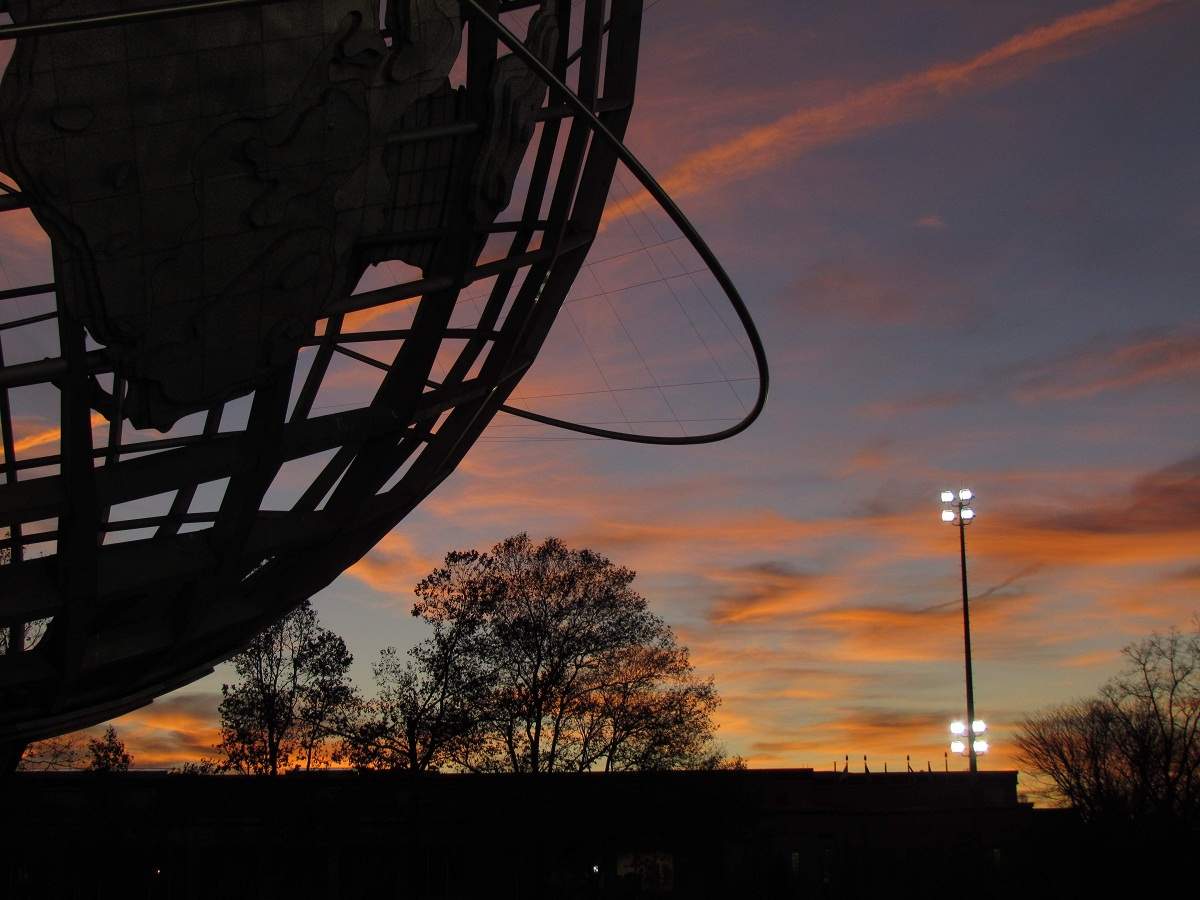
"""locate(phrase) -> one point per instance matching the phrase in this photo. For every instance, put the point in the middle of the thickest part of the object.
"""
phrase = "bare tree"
(293, 691)
(64, 753)
(76, 752)
(543, 659)
(1131, 754)
(423, 710)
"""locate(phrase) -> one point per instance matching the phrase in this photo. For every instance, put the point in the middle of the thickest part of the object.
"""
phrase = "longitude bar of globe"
(13, 634)
(530, 213)
(480, 61)
(465, 360)
(527, 305)
(573, 158)
(78, 523)
(15, 547)
(435, 307)
(113, 449)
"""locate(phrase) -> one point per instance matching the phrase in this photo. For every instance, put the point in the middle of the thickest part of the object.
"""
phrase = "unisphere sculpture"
(216, 178)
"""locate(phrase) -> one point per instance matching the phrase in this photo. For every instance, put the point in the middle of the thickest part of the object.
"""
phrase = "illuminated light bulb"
(979, 726)
(947, 496)
(965, 494)
(968, 514)
(947, 515)
(957, 727)
(957, 746)
(981, 746)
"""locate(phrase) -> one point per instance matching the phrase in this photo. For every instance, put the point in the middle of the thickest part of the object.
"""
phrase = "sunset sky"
(968, 233)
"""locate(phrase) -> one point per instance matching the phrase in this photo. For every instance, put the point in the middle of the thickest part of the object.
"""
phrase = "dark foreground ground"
(754, 834)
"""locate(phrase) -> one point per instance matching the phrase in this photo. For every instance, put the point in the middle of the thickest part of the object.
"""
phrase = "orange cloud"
(1063, 547)
(46, 436)
(1090, 658)
(869, 731)
(761, 528)
(767, 590)
(172, 730)
(873, 634)
(21, 231)
(1188, 577)
(888, 103)
(1096, 370)
(842, 292)
(931, 402)
(394, 566)
(877, 455)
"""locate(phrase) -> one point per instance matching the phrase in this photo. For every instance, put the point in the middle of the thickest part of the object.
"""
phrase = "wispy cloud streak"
(1099, 369)
(46, 436)
(888, 103)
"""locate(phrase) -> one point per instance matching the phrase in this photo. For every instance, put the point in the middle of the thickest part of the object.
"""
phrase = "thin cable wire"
(596, 363)
(641, 357)
(689, 272)
(620, 290)
(647, 387)
(712, 356)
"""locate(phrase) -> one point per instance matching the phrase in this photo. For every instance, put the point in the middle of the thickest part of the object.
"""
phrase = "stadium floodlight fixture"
(957, 746)
(957, 511)
(978, 726)
(980, 746)
(957, 727)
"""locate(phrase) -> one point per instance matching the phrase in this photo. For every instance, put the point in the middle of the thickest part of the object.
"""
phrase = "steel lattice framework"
(122, 610)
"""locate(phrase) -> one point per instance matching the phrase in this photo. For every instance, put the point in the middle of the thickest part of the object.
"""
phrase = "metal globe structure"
(216, 178)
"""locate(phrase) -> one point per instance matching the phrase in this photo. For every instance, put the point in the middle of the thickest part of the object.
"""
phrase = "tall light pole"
(957, 511)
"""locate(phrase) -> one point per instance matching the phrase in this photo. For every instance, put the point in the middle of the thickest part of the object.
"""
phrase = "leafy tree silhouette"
(542, 659)
(293, 692)
(108, 753)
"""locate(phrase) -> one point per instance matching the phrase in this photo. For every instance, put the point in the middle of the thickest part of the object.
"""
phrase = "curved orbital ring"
(656, 190)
